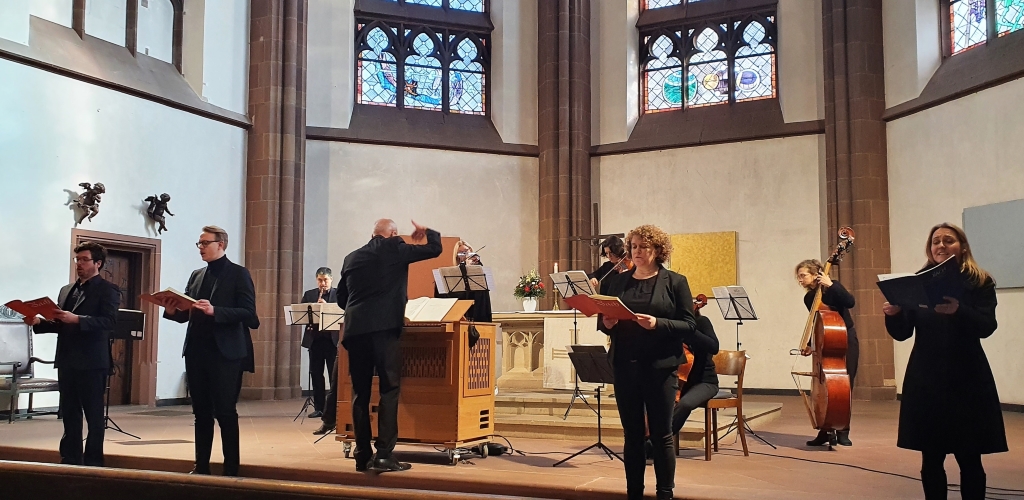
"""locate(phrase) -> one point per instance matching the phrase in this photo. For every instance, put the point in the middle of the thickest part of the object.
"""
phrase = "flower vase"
(529, 304)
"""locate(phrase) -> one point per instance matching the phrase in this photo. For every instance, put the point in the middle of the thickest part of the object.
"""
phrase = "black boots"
(843, 438)
(833, 438)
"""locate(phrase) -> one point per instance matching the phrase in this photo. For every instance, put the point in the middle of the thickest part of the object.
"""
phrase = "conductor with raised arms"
(373, 291)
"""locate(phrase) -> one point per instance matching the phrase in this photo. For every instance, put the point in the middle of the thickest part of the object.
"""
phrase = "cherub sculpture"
(89, 201)
(157, 208)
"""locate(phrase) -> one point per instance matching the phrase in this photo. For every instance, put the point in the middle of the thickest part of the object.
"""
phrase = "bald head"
(385, 227)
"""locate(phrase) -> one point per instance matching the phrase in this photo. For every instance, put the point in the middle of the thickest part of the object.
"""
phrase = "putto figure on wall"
(89, 201)
(157, 208)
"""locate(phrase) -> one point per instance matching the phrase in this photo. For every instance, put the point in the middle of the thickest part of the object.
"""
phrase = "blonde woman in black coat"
(950, 403)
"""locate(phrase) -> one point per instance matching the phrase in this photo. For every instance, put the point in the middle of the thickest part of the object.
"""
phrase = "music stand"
(463, 278)
(569, 284)
(308, 319)
(129, 326)
(592, 365)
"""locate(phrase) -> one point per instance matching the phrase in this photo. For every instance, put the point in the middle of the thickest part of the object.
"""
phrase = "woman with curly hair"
(950, 403)
(645, 354)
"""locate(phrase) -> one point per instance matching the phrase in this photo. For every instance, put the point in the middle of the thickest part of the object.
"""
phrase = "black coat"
(234, 313)
(950, 403)
(672, 305)
(703, 343)
(310, 332)
(85, 346)
(374, 283)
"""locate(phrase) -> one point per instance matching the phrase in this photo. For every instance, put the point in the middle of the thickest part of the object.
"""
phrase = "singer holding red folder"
(645, 354)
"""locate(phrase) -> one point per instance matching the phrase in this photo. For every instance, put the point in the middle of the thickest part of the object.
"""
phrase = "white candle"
(556, 268)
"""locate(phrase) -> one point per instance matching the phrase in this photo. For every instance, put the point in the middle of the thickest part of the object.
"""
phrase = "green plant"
(529, 285)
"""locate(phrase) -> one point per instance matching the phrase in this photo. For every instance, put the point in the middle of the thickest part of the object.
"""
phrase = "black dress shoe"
(316, 414)
(324, 429)
(823, 438)
(843, 438)
(664, 495)
(390, 464)
(204, 471)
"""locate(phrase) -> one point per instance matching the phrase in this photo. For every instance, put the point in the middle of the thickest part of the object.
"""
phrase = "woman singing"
(645, 354)
(950, 404)
(835, 296)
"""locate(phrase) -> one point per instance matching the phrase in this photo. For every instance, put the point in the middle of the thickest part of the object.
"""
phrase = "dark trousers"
(213, 385)
(852, 357)
(330, 417)
(322, 354)
(81, 392)
(641, 389)
(380, 351)
(933, 475)
(694, 396)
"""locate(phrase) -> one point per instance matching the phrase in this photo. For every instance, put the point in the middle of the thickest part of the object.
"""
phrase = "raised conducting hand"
(205, 306)
(890, 310)
(420, 232)
(948, 307)
(647, 321)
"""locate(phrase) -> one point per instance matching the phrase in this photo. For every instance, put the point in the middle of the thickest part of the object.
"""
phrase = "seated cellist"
(835, 296)
(698, 377)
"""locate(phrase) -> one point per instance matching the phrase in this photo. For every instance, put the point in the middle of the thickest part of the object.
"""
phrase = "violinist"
(698, 377)
(613, 249)
(463, 255)
(322, 345)
(836, 297)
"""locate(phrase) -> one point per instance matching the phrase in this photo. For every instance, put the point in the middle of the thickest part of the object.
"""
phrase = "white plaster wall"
(105, 19)
(961, 154)
(614, 70)
(155, 29)
(913, 49)
(55, 11)
(14, 20)
(330, 63)
(484, 199)
(225, 51)
(56, 132)
(513, 78)
(767, 191)
(801, 77)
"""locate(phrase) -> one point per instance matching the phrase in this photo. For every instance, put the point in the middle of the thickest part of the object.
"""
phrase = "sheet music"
(439, 281)
(428, 309)
(579, 280)
(489, 276)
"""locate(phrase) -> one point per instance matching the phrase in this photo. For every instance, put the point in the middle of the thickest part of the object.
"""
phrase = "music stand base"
(577, 393)
(108, 423)
(746, 427)
(599, 445)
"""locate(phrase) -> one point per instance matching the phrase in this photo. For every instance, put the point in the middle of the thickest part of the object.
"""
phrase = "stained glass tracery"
(968, 25)
(470, 5)
(1009, 16)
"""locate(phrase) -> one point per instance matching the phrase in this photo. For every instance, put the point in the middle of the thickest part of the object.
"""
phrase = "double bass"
(825, 340)
(683, 372)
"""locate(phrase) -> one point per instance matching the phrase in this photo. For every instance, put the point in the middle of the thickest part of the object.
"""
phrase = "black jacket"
(949, 402)
(839, 300)
(309, 332)
(374, 283)
(85, 346)
(671, 304)
(703, 343)
(234, 313)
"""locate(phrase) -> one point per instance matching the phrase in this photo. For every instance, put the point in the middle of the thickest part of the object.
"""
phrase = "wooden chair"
(17, 368)
(731, 363)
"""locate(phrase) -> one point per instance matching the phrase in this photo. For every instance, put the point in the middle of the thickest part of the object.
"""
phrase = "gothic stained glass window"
(968, 25)
(377, 68)
(663, 76)
(707, 77)
(755, 63)
(432, 3)
(440, 70)
(467, 78)
(470, 5)
(657, 4)
(1009, 16)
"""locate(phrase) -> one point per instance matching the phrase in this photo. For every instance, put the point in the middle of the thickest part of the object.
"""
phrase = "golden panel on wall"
(706, 259)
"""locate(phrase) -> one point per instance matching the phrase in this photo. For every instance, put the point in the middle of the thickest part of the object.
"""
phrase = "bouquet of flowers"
(529, 286)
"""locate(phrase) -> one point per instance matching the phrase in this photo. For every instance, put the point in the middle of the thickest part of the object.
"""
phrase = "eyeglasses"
(204, 243)
(803, 275)
(81, 259)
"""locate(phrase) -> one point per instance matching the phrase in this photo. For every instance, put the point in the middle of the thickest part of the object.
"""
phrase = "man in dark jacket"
(217, 345)
(373, 291)
(83, 353)
(322, 344)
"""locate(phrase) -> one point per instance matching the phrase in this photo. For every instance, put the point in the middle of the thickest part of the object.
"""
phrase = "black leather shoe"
(363, 464)
(390, 464)
(822, 438)
(664, 495)
(324, 429)
(205, 471)
(843, 438)
(316, 414)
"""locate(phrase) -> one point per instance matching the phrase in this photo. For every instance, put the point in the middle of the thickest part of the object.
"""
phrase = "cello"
(683, 372)
(825, 340)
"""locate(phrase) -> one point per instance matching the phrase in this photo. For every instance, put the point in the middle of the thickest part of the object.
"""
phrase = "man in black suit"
(322, 345)
(217, 345)
(83, 353)
(373, 290)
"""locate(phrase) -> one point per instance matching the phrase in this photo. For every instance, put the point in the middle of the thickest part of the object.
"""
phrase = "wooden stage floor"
(274, 447)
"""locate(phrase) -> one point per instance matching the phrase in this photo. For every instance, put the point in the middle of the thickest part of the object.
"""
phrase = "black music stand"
(592, 365)
(129, 326)
(307, 319)
(569, 284)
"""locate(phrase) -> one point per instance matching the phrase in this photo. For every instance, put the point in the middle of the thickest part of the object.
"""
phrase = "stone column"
(274, 191)
(563, 135)
(857, 178)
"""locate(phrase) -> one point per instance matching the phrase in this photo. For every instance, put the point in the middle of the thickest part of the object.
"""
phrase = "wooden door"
(124, 270)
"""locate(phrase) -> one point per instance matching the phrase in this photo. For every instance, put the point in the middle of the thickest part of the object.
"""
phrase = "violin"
(683, 372)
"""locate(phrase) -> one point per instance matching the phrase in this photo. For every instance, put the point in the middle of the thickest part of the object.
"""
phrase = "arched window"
(723, 61)
(971, 23)
(409, 64)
